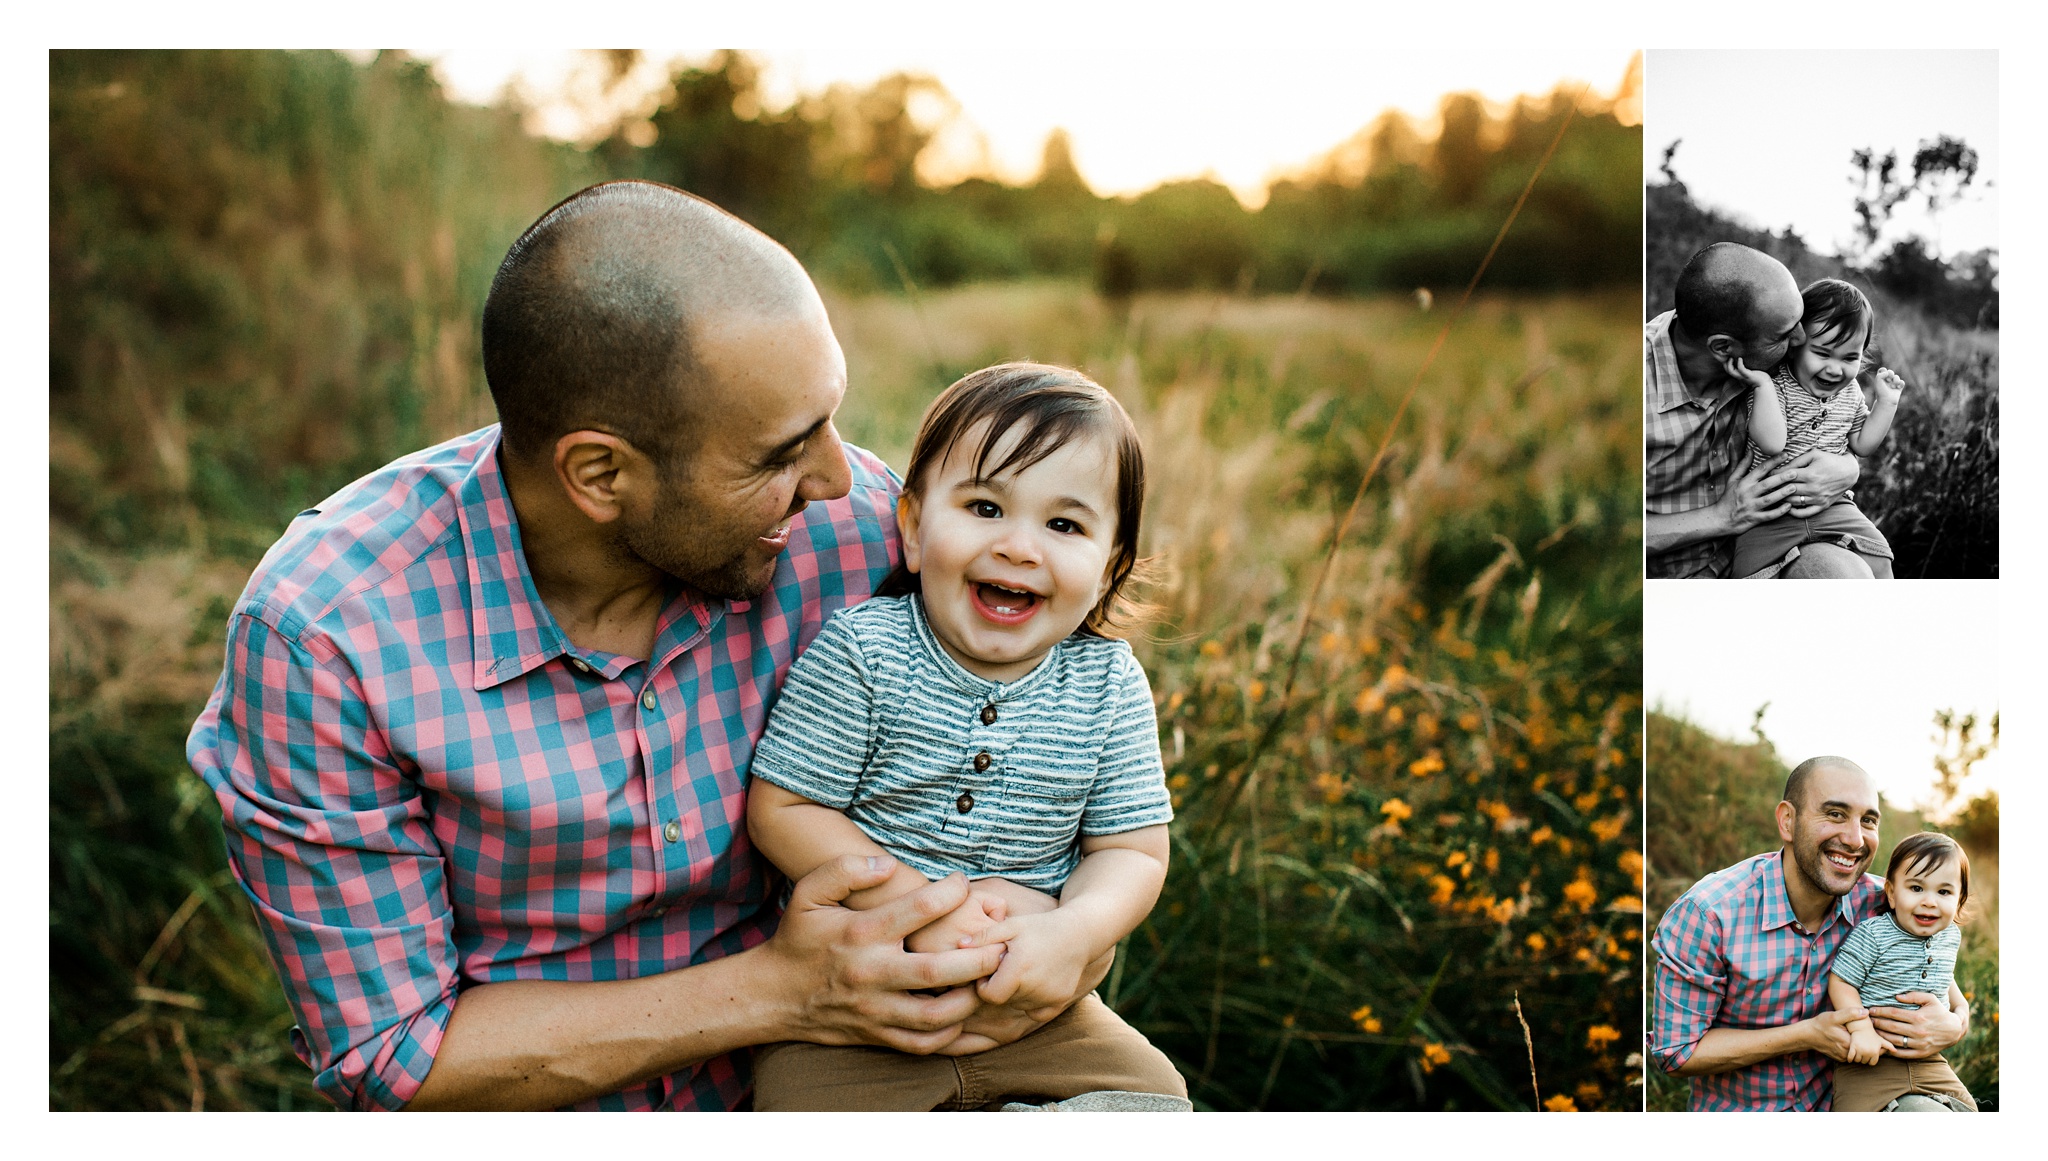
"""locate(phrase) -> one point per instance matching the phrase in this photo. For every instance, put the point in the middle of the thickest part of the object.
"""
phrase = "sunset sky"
(1136, 117)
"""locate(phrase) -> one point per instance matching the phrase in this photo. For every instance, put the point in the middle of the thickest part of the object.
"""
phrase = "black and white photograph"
(1820, 368)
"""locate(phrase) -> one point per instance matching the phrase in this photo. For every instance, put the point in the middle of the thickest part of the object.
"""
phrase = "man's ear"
(906, 528)
(1787, 815)
(1724, 346)
(597, 471)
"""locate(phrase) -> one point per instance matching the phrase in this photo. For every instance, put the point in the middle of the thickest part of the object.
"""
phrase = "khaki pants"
(1087, 1048)
(1869, 1088)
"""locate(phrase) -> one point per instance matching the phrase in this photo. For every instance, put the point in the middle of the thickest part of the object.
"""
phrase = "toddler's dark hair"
(1053, 405)
(1830, 304)
(1923, 852)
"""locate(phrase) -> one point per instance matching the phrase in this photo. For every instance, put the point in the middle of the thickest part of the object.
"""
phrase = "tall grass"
(1447, 818)
(1709, 806)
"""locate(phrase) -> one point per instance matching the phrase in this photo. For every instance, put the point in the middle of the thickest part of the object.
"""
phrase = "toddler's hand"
(1886, 385)
(1866, 1047)
(1743, 372)
(962, 926)
(1042, 966)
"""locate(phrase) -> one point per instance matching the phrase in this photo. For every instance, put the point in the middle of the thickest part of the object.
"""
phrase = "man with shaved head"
(480, 741)
(1742, 958)
(1735, 307)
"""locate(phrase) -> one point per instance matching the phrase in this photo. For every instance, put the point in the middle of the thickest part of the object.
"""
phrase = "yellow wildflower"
(1608, 829)
(1434, 1055)
(1370, 701)
(1502, 911)
(1395, 715)
(1365, 1020)
(1454, 859)
(1581, 893)
(1540, 836)
(1626, 903)
(1599, 1036)
(1441, 890)
(1396, 810)
(1468, 721)
(1631, 864)
(1212, 648)
(1256, 690)
(1426, 765)
(1560, 1104)
(1492, 860)
(1536, 942)
(1394, 678)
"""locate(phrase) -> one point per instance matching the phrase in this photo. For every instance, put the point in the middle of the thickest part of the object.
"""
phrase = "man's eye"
(986, 509)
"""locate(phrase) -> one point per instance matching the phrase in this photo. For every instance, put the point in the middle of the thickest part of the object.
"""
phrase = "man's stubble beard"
(668, 545)
(1806, 855)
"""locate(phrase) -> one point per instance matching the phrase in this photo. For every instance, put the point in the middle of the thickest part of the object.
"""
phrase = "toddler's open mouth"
(1001, 604)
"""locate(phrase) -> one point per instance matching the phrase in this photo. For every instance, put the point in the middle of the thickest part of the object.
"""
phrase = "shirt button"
(580, 665)
(988, 715)
(965, 802)
(648, 700)
(674, 829)
(657, 913)
(981, 762)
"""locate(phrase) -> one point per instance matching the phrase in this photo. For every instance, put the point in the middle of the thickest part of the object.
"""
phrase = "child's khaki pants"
(1087, 1048)
(1868, 1088)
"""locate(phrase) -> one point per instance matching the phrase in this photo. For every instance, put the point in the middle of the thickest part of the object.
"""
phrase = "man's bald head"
(590, 319)
(1796, 782)
(1731, 289)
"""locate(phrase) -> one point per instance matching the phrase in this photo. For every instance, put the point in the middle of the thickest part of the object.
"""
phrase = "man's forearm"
(1727, 1049)
(1665, 531)
(542, 1044)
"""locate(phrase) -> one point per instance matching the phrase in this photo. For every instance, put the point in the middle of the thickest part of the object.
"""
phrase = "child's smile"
(1924, 903)
(1828, 362)
(1011, 566)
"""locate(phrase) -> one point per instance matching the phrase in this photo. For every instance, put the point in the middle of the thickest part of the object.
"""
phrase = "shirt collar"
(511, 631)
(959, 676)
(1665, 388)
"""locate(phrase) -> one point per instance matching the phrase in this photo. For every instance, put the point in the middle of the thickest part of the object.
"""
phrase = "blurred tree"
(1459, 157)
(1961, 741)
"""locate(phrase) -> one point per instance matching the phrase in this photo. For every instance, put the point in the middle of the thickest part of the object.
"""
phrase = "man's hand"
(1829, 1035)
(1813, 480)
(846, 971)
(962, 926)
(1753, 496)
(1921, 1032)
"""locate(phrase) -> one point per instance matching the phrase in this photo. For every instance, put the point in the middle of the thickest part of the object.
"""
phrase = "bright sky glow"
(1767, 134)
(1859, 674)
(1136, 118)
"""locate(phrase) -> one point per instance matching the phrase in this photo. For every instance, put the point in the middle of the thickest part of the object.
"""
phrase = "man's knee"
(1826, 562)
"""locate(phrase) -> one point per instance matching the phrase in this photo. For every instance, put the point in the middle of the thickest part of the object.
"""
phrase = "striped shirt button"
(981, 762)
(988, 715)
(648, 700)
(965, 802)
(673, 831)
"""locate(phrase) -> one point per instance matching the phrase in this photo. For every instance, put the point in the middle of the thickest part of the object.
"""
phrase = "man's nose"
(827, 476)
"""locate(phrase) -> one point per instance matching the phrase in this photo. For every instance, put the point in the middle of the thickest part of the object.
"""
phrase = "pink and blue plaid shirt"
(1730, 954)
(426, 786)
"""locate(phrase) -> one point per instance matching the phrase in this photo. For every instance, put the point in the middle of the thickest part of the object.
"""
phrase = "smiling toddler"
(1815, 401)
(1910, 949)
(981, 721)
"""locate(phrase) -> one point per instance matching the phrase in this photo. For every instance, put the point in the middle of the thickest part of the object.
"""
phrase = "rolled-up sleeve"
(330, 841)
(1692, 976)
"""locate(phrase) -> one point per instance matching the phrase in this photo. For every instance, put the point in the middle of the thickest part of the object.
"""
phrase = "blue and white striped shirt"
(1881, 959)
(951, 772)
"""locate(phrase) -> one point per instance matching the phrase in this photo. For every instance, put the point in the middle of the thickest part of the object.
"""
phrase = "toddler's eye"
(1062, 524)
(986, 509)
